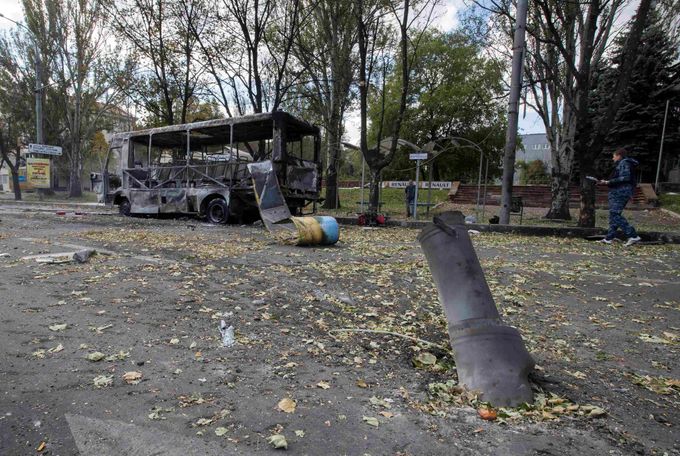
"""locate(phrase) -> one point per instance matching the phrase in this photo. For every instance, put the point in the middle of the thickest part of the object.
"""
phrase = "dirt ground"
(602, 322)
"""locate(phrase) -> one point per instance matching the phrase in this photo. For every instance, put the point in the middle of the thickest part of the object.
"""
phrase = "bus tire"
(217, 211)
(124, 207)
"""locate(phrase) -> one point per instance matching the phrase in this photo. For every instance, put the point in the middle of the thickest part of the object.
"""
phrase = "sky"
(446, 19)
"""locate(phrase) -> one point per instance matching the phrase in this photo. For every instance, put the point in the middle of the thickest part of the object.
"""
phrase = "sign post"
(417, 157)
(45, 149)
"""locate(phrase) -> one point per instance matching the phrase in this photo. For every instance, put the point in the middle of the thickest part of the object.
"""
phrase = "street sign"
(44, 149)
(419, 156)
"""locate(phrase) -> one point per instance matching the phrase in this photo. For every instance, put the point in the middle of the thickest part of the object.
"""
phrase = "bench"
(517, 207)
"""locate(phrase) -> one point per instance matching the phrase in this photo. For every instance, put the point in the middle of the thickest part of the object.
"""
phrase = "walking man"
(409, 198)
(621, 185)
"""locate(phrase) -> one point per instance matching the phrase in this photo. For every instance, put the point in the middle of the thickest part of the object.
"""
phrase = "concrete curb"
(669, 212)
(56, 204)
(531, 230)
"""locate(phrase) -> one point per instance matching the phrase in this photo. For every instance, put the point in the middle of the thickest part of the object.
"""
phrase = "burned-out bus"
(201, 168)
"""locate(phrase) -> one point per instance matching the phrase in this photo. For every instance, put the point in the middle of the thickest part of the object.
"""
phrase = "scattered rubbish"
(278, 441)
(58, 327)
(80, 256)
(470, 219)
(473, 232)
(4, 255)
(227, 334)
(220, 431)
(319, 230)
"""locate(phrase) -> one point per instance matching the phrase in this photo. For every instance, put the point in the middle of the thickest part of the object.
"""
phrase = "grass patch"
(392, 199)
(670, 202)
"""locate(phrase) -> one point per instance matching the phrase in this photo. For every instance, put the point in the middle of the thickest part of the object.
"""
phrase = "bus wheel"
(217, 211)
(124, 207)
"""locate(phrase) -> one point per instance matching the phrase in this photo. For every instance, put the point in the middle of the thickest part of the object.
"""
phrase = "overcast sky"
(446, 20)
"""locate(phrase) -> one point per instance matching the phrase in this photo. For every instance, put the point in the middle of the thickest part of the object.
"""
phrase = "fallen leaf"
(41, 447)
(300, 433)
(424, 359)
(59, 327)
(487, 414)
(287, 405)
(361, 383)
(323, 385)
(132, 377)
(102, 381)
(386, 414)
(220, 431)
(371, 421)
(204, 421)
(577, 374)
(96, 356)
(597, 411)
(56, 349)
(278, 441)
(174, 341)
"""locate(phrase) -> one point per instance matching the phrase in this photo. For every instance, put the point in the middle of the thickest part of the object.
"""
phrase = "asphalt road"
(602, 322)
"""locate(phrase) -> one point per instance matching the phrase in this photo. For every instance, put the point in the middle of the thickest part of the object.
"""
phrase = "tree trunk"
(374, 192)
(559, 204)
(332, 198)
(587, 214)
(75, 170)
(15, 181)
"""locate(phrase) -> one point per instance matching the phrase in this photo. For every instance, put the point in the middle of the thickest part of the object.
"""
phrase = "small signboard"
(418, 156)
(436, 185)
(44, 149)
(38, 172)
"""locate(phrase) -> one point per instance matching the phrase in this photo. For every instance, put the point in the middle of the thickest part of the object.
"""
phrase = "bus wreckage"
(201, 168)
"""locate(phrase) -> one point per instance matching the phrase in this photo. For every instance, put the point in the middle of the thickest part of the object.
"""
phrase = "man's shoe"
(605, 241)
(633, 240)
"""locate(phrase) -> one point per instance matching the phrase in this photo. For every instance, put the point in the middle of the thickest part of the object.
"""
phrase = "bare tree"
(372, 25)
(566, 41)
(161, 34)
(81, 72)
(325, 50)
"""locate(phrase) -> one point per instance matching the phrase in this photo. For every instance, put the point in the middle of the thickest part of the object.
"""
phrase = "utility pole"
(38, 87)
(513, 110)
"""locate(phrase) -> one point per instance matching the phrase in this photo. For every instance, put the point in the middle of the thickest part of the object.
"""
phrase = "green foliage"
(532, 173)
(639, 121)
(670, 202)
(455, 91)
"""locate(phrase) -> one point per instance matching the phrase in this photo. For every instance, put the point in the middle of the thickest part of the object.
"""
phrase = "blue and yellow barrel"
(317, 230)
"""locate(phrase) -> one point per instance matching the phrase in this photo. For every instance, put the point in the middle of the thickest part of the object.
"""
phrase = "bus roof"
(252, 127)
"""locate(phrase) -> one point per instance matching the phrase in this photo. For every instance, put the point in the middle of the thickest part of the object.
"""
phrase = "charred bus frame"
(200, 168)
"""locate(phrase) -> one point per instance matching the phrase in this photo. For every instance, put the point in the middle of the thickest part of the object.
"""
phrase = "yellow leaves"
(658, 385)
(287, 405)
(577, 374)
(323, 385)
